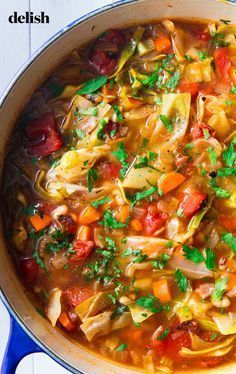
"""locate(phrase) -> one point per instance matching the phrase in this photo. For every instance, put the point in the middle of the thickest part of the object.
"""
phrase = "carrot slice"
(66, 322)
(162, 43)
(161, 290)
(110, 93)
(228, 222)
(136, 225)
(170, 181)
(89, 215)
(84, 233)
(123, 213)
(38, 222)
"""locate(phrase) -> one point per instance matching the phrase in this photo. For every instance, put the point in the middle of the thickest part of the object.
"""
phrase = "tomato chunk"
(153, 220)
(109, 170)
(223, 64)
(29, 269)
(191, 203)
(228, 222)
(82, 249)
(192, 88)
(43, 137)
(172, 344)
(68, 224)
(105, 51)
(202, 130)
(73, 296)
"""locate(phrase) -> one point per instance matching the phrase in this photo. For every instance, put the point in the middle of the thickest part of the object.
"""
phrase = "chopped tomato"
(201, 130)
(110, 170)
(180, 159)
(228, 222)
(223, 64)
(68, 224)
(112, 129)
(43, 136)
(192, 88)
(153, 220)
(73, 296)
(114, 36)
(105, 51)
(82, 250)
(201, 33)
(191, 203)
(45, 207)
(172, 344)
(210, 362)
(29, 269)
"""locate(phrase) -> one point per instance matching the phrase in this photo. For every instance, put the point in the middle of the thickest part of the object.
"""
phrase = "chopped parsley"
(140, 257)
(91, 178)
(225, 172)
(229, 239)
(79, 133)
(181, 280)
(220, 288)
(218, 40)
(102, 201)
(152, 303)
(101, 128)
(164, 334)
(203, 55)
(220, 192)
(233, 90)
(142, 195)
(110, 221)
(192, 254)
(92, 85)
(93, 112)
(118, 113)
(210, 259)
(166, 122)
(173, 81)
(122, 347)
(212, 155)
(122, 156)
(60, 241)
(161, 261)
(229, 155)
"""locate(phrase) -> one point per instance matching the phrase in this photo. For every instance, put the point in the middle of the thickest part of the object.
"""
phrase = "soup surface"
(120, 195)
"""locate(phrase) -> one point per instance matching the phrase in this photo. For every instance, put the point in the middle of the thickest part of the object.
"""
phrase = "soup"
(120, 195)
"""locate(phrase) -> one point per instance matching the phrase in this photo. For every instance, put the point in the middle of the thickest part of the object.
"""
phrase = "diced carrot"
(130, 103)
(89, 215)
(109, 93)
(123, 213)
(170, 181)
(228, 222)
(84, 233)
(162, 43)
(231, 280)
(136, 225)
(66, 322)
(38, 222)
(161, 290)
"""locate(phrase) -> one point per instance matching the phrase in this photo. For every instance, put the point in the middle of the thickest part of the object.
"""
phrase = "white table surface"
(19, 41)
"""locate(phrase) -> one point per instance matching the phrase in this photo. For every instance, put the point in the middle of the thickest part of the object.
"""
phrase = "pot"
(40, 334)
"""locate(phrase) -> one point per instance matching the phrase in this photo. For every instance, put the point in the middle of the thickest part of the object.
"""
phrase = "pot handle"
(19, 345)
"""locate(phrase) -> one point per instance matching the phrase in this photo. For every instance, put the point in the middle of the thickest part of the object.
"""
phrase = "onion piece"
(189, 268)
(54, 306)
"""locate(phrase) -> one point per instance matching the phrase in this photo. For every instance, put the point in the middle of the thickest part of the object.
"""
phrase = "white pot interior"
(135, 12)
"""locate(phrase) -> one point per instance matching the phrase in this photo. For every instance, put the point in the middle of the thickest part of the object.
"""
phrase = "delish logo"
(29, 17)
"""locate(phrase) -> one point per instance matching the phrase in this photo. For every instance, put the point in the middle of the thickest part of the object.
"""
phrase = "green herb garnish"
(92, 85)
